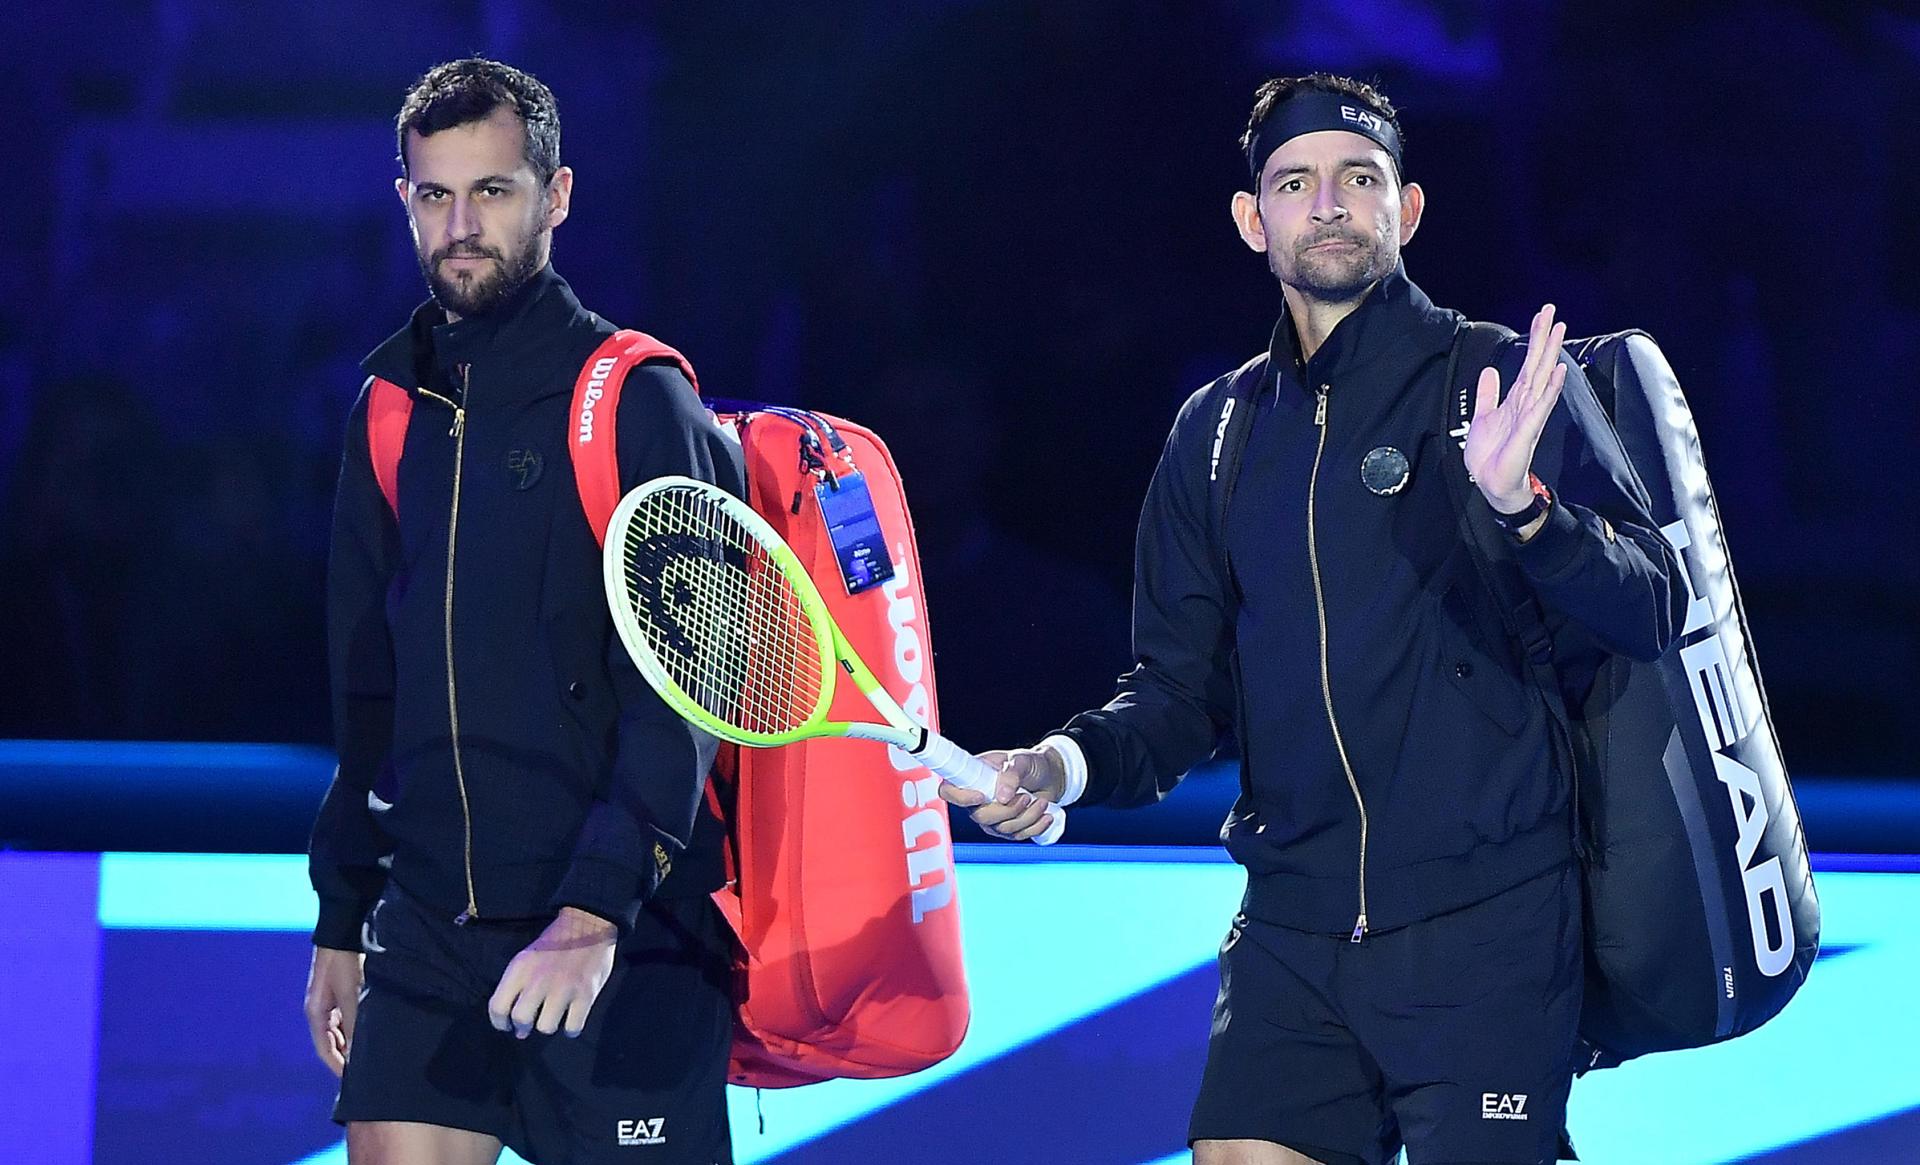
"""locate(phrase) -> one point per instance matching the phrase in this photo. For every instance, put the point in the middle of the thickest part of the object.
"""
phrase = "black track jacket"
(1356, 654)
(499, 753)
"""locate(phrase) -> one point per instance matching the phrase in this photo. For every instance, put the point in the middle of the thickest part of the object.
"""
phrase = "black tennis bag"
(1701, 915)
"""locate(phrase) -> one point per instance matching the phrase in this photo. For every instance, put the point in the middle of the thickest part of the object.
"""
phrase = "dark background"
(995, 231)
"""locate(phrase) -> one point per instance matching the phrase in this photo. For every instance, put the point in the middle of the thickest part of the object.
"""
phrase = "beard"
(1334, 276)
(476, 292)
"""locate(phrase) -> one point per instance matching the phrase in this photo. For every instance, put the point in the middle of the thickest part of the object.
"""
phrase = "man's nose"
(1326, 206)
(464, 221)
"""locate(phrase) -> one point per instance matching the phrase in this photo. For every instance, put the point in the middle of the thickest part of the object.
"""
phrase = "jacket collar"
(427, 352)
(1395, 324)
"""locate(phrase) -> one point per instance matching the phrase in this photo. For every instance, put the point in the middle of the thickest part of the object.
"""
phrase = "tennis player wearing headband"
(1406, 966)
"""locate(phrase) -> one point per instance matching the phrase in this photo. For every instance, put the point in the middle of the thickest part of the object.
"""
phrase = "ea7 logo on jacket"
(523, 468)
(596, 388)
(641, 1132)
(1503, 1106)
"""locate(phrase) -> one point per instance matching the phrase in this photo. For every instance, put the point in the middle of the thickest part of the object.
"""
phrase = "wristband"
(1536, 508)
(1072, 761)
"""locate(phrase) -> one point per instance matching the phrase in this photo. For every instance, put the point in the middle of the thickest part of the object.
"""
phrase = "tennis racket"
(724, 622)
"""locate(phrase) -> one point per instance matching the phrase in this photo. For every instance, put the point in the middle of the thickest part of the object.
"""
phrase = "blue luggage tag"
(854, 530)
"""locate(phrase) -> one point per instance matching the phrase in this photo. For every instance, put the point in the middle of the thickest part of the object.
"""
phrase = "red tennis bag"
(844, 894)
(841, 881)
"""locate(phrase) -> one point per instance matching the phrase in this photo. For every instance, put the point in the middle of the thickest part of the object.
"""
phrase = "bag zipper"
(459, 435)
(1326, 682)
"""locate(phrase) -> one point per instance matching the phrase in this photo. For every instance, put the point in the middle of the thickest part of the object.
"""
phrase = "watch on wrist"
(1536, 508)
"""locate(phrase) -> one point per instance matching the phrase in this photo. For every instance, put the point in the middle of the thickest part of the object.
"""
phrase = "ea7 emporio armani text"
(641, 1132)
(1503, 1106)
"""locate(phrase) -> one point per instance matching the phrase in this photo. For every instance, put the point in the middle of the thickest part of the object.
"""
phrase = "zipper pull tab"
(460, 410)
(1320, 418)
(464, 917)
(1359, 929)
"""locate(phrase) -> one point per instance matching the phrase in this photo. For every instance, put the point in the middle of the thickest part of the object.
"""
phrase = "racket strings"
(719, 615)
(681, 588)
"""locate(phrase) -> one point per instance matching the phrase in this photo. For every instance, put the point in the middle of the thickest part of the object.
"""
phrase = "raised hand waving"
(1501, 440)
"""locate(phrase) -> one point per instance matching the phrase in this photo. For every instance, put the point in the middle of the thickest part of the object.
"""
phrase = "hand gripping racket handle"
(962, 768)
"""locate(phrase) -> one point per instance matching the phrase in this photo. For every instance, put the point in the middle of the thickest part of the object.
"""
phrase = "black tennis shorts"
(1453, 1037)
(645, 1083)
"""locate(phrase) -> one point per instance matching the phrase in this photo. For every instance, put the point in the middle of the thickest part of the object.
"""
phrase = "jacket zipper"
(1326, 682)
(459, 435)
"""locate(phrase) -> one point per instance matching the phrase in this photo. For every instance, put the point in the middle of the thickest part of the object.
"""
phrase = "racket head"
(718, 613)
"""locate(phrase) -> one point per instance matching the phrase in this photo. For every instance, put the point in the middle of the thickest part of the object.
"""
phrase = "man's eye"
(492, 191)
(1291, 186)
(1363, 179)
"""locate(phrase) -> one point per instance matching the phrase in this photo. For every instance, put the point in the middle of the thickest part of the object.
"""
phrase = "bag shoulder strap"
(596, 394)
(389, 408)
(1476, 346)
(596, 463)
(1231, 430)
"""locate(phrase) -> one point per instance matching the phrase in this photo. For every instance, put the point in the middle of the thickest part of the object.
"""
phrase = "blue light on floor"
(1102, 961)
(205, 892)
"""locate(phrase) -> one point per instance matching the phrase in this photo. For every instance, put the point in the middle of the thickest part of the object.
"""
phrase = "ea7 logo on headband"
(1363, 118)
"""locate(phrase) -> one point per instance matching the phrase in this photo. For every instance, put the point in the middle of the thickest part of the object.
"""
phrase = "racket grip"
(957, 765)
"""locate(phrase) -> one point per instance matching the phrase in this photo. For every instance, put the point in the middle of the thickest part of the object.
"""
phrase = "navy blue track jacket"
(1397, 762)
(499, 754)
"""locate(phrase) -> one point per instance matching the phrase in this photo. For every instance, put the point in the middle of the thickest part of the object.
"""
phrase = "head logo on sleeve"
(1219, 439)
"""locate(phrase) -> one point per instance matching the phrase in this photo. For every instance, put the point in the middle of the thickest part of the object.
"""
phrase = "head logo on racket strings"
(723, 620)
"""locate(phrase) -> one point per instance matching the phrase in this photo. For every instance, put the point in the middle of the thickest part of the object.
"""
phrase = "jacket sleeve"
(348, 848)
(1598, 561)
(1171, 708)
(644, 816)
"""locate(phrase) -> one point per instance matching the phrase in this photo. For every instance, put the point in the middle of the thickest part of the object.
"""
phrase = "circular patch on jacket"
(1385, 471)
(523, 467)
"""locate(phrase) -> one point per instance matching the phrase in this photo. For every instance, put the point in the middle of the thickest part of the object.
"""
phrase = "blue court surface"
(154, 1017)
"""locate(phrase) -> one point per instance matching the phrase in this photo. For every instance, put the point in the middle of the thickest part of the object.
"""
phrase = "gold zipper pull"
(1320, 409)
(459, 422)
(1359, 928)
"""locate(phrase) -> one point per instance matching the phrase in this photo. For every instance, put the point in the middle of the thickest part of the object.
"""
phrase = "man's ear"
(400, 188)
(559, 196)
(1413, 204)
(1246, 217)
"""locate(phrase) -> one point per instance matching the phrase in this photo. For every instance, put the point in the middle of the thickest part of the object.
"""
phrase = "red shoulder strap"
(596, 402)
(389, 407)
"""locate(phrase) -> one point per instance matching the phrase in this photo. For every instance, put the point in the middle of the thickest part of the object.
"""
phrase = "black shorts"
(644, 1083)
(1453, 1037)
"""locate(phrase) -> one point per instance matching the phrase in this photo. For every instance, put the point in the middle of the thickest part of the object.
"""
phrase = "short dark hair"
(1278, 89)
(466, 91)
